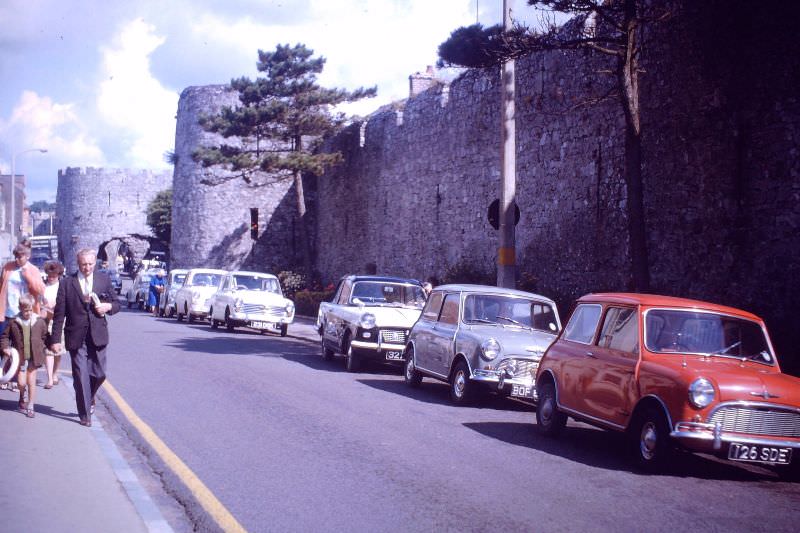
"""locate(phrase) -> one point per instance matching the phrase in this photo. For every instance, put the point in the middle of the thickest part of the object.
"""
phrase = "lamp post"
(13, 237)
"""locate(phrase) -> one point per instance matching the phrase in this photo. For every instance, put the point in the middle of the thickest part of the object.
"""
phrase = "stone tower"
(211, 214)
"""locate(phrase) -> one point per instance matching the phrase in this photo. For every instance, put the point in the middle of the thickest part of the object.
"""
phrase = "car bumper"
(261, 320)
(379, 350)
(708, 438)
(518, 386)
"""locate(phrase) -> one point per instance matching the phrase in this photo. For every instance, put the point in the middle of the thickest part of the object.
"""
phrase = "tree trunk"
(629, 81)
(305, 239)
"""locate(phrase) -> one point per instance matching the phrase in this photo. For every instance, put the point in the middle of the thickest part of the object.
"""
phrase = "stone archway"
(131, 249)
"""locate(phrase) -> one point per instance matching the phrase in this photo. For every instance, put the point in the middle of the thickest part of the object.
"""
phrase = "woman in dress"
(157, 285)
(53, 270)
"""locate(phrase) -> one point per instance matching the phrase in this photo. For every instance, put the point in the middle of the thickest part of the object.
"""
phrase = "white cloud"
(132, 101)
(38, 122)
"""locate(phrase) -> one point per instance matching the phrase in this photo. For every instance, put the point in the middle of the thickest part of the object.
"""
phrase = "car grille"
(393, 336)
(765, 420)
(258, 309)
(520, 367)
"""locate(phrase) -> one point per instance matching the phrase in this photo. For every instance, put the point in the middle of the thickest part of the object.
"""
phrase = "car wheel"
(170, 312)
(228, 323)
(549, 420)
(412, 376)
(178, 314)
(353, 362)
(462, 388)
(214, 323)
(140, 304)
(650, 439)
(327, 353)
(130, 304)
(284, 329)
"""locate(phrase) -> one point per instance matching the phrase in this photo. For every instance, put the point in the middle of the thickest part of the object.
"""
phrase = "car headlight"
(701, 393)
(289, 308)
(237, 305)
(490, 349)
(367, 321)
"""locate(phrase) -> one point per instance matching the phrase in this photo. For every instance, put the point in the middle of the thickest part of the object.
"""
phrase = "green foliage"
(159, 215)
(307, 302)
(277, 114)
(468, 272)
(471, 46)
(42, 206)
(292, 282)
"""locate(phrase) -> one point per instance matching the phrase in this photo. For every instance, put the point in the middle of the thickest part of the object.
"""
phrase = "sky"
(96, 82)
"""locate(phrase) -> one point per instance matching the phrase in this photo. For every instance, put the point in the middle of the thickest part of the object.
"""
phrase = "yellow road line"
(207, 500)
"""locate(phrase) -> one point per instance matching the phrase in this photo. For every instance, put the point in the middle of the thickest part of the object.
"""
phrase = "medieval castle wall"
(98, 205)
(211, 211)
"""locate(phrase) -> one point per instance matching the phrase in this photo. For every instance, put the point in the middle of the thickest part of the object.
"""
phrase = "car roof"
(387, 279)
(207, 271)
(656, 300)
(253, 273)
(491, 289)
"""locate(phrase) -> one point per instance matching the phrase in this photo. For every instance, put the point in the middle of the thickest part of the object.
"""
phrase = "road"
(289, 442)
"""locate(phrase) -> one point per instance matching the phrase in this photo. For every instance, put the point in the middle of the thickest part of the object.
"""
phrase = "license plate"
(259, 325)
(756, 453)
(521, 391)
(394, 356)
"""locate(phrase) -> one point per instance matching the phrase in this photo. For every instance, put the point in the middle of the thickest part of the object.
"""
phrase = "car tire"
(352, 361)
(190, 318)
(549, 420)
(284, 329)
(412, 376)
(650, 440)
(228, 324)
(462, 388)
(212, 320)
(327, 353)
(130, 304)
(178, 314)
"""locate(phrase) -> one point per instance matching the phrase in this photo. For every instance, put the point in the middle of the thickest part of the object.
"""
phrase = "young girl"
(27, 332)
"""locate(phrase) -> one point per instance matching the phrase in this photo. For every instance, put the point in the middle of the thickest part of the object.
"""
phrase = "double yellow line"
(204, 496)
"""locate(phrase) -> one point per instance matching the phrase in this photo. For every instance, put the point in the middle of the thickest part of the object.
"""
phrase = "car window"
(450, 309)
(583, 323)
(383, 293)
(432, 308)
(544, 317)
(344, 293)
(621, 330)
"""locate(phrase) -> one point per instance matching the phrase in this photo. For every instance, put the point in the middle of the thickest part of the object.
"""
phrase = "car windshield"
(256, 283)
(509, 310)
(206, 279)
(678, 331)
(388, 294)
(177, 279)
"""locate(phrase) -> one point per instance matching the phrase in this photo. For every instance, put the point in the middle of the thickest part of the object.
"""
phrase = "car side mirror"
(552, 327)
(358, 302)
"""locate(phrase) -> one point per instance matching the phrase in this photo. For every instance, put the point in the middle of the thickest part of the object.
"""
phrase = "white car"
(251, 299)
(193, 299)
(175, 279)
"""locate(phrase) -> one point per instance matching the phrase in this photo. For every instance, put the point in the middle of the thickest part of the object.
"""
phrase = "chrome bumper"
(710, 437)
(377, 346)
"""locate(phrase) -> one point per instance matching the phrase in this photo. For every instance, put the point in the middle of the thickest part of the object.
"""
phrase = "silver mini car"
(473, 334)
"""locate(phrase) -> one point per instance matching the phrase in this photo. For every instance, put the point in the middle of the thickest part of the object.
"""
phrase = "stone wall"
(95, 206)
(721, 129)
(211, 209)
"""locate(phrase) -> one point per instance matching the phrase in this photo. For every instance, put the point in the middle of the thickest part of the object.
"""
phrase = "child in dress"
(28, 334)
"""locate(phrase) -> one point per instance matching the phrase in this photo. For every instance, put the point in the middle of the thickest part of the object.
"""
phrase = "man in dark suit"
(84, 299)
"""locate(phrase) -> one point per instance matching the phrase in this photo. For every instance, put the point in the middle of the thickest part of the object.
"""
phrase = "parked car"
(116, 280)
(193, 298)
(475, 335)
(139, 289)
(251, 299)
(671, 371)
(369, 318)
(174, 281)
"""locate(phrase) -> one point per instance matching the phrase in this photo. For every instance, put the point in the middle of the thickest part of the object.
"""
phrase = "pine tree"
(279, 123)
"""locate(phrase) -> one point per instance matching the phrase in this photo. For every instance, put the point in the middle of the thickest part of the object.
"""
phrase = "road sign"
(494, 214)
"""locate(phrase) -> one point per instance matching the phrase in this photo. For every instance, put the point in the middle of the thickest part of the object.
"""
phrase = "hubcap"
(648, 440)
(410, 367)
(547, 410)
(459, 383)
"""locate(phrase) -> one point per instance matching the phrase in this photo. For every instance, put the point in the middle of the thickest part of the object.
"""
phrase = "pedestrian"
(83, 301)
(27, 333)
(53, 271)
(157, 286)
(18, 277)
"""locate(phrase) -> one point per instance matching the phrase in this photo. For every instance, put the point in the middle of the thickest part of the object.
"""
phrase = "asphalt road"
(289, 442)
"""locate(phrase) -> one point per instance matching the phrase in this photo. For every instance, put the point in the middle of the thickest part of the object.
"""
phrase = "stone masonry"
(101, 206)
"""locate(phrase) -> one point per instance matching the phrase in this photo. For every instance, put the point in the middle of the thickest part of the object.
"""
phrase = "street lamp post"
(13, 236)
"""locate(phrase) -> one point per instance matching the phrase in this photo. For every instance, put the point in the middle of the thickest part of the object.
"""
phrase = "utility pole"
(507, 253)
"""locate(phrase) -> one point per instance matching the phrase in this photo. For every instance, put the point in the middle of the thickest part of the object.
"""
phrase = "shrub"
(291, 282)
(306, 302)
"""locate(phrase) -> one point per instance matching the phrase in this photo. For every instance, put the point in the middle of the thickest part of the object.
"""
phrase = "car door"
(571, 354)
(444, 335)
(424, 330)
(609, 373)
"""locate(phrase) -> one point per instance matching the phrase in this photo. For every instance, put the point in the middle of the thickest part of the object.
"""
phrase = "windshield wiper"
(517, 322)
(726, 349)
(482, 321)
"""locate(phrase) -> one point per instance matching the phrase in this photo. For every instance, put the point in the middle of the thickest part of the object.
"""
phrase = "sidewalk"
(62, 477)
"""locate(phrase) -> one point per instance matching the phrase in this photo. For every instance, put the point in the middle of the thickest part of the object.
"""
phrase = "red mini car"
(672, 371)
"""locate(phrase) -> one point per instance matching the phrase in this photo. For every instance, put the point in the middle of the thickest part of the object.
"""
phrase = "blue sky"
(96, 82)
